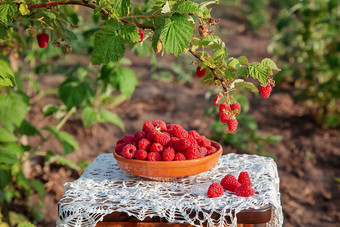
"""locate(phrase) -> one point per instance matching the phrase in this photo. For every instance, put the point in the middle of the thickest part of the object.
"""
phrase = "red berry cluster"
(241, 186)
(158, 141)
(228, 112)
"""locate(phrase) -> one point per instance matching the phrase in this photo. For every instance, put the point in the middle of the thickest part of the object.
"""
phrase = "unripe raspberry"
(200, 72)
(43, 40)
(265, 91)
(32, 31)
(67, 49)
(202, 30)
(232, 124)
(141, 35)
(236, 106)
(159, 47)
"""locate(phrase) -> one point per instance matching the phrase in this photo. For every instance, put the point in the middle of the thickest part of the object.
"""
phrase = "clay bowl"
(169, 171)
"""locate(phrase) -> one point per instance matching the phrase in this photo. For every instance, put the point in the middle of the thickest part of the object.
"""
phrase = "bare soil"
(308, 157)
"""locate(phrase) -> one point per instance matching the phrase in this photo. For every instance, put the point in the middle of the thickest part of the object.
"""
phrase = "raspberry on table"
(168, 154)
(141, 154)
(192, 153)
(179, 132)
(232, 124)
(236, 106)
(230, 183)
(162, 138)
(244, 178)
(156, 147)
(211, 150)
(182, 145)
(159, 124)
(129, 151)
(215, 190)
(128, 139)
(147, 126)
(144, 144)
(265, 91)
(119, 148)
(193, 135)
(179, 157)
(245, 190)
(138, 136)
(154, 156)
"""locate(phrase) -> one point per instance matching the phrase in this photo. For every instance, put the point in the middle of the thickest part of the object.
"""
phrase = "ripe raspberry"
(236, 106)
(182, 145)
(194, 135)
(129, 151)
(211, 150)
(138, 136)
(215, 190)
(151, 134)
(141, 154)
(217, 98)
(147, 127)
(232, 124)
(170, 126)
(224, 116)
(162, 138)
(43, 40)
(194, 142)
(200, 72)
(204, 142)
(224, 108)
(244, 178)
(180, 157)
(159, 124)
(128, 139)
(245, 190)
(141, 35)
(192, 153)
(168, 154)
(265, 91)
(230, 183)
(156, 147)
(120, 141)
(154, 156)
(179, 132)
(173, 141)
(144, 144)
(119, 148)
(202, 151)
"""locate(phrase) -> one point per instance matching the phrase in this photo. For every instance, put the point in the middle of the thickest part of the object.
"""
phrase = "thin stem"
(67, 116)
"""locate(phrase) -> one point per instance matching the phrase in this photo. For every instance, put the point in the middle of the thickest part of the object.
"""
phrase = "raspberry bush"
(39, 30)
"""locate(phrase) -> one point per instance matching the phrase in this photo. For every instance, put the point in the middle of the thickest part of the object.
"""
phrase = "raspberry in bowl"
(166, 152)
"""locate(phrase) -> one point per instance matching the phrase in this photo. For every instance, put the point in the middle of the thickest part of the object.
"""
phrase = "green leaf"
(186, 7)
(6, 136)
(241, 83)
(129, 33)
(243, 71)
(7, 77)
(219, 54)
(108, 44)
(7, 11)
(16, 218)
(212, 42)
(26, 128)
(67, 138)
(3, 32)
(39, 187)
(51, 157)
(68, 149)
(176, 34)
(64, 138)
(50, 109)
(88, 116)
(270, 63)
(159, 25)
(121, 7)
(5, 174)
(259, 72)
(73, 92)
(243, 60)
(113, 118)
(26, 224)
(124, 80)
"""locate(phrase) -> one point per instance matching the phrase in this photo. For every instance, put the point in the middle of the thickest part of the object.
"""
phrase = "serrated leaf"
(243, 71)
(7, 76)
(73, 92)
(212, 42)
(207, 79)
(7, 11)
(121, 7)
(113, 118)
(270, 63)
(108, 44)
(219, 54)
(159, 25)
(26, 128)
(243, 60)
(186, 7)
(259, 72)
(124, 80)
(88, 116)
(239, 83)
(233, 62)
(23, 8)
(176, 34)
(3, 32)
(129, 33)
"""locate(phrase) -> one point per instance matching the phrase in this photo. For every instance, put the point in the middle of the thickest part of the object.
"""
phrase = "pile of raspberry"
(241, 186)
(158, 141)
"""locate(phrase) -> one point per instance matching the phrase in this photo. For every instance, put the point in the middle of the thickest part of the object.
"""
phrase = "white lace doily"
(104, 188)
